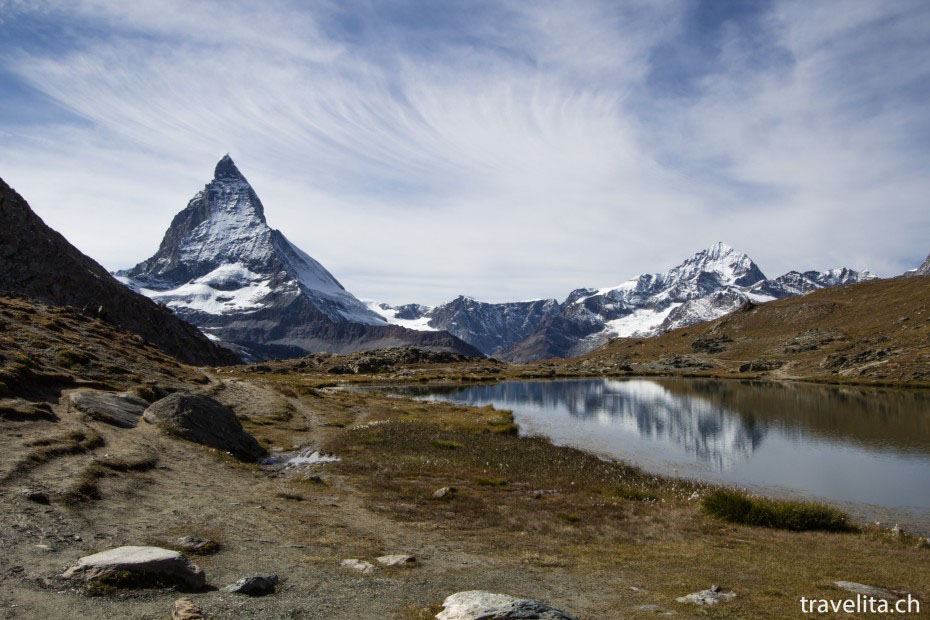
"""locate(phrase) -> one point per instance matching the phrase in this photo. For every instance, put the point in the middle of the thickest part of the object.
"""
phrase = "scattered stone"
(195, 544)
(143, 563)
(361, 566)
(185, 609)
(653, 608)
(258, 585)
(36, 496)
(398, 560)
(711, 596)
(760, 366)
(478, 605)
(711, 344)
(203, 420)
(865, 590)
(445, 493)
(121, 410)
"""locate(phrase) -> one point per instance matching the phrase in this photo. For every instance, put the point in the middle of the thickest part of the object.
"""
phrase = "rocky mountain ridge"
(707, 285)
(221, 267)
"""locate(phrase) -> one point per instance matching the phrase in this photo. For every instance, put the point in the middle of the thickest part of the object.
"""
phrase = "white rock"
(397, 560)
(366, 568)
(711, 596)
(860, 588)
(478, 605)
(153, 562)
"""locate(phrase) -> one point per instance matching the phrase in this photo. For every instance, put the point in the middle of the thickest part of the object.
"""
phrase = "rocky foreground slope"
(221, 267)
(38, 263)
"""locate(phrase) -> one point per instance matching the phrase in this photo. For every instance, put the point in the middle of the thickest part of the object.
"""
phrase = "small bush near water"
(737, 507)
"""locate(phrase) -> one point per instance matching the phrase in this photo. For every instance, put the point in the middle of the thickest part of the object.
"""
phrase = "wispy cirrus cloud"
(501, 150)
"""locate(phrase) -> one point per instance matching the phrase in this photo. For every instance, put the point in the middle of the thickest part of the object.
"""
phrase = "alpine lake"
(865, 450)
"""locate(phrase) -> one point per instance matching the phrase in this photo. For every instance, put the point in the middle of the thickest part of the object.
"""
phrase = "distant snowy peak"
(727, 266)
(220, 257)
(486, 326)
(411, 316)
(923, 270)
(707, 285)
(797, 283)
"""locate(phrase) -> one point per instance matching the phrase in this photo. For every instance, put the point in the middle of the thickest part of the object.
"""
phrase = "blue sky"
(503, 150)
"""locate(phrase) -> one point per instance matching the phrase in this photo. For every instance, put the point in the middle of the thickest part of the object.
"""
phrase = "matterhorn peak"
(226, 169)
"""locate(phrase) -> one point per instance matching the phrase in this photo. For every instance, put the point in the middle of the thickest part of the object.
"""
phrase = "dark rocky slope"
(38, 263)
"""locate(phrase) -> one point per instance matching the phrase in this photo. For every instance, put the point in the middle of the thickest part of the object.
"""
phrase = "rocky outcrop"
(137, 566)
(38, 263)
(203, 420)
(478, 605)
(258, 585)
(122, 410)
(185, 609)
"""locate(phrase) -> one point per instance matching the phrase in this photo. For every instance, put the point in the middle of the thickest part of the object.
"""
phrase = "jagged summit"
(219, 256)
(224, 269)
(226, 169)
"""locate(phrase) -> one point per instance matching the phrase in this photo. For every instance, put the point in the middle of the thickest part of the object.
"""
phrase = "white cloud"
(523, 157)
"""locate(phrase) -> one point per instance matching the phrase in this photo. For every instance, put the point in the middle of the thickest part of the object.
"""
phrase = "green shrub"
(737, 507)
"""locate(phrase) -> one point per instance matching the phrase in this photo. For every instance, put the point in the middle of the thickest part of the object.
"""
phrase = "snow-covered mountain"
(707, 285)
(222, 268)
(923, 270)
(486, 326)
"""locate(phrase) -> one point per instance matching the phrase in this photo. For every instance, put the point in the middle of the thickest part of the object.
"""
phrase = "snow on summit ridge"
(710, 283)
(222, 268)
(219, 256)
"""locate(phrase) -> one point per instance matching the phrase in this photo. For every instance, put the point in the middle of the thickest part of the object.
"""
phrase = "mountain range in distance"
(222, 268)
(709, 284)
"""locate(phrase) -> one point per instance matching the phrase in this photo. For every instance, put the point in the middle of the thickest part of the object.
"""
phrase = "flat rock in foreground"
(203, 420)
(711, 596)
(866, 590)
(122, 410)
(479, 605)
(143, 563)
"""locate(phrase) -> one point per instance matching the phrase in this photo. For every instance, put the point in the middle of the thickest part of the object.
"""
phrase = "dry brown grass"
(562, 509)
(880, 328)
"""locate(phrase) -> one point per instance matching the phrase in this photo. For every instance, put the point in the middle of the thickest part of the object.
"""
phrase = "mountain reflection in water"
(847, 444)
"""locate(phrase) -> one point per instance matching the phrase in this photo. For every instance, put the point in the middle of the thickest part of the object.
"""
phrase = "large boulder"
(138, 566)
(122, 410)
(478, 605)
(203, 420)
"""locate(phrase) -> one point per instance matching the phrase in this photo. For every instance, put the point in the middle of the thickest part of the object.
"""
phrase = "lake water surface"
(867, 450)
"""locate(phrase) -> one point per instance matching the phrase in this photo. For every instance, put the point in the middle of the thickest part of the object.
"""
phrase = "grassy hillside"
(871, 332)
